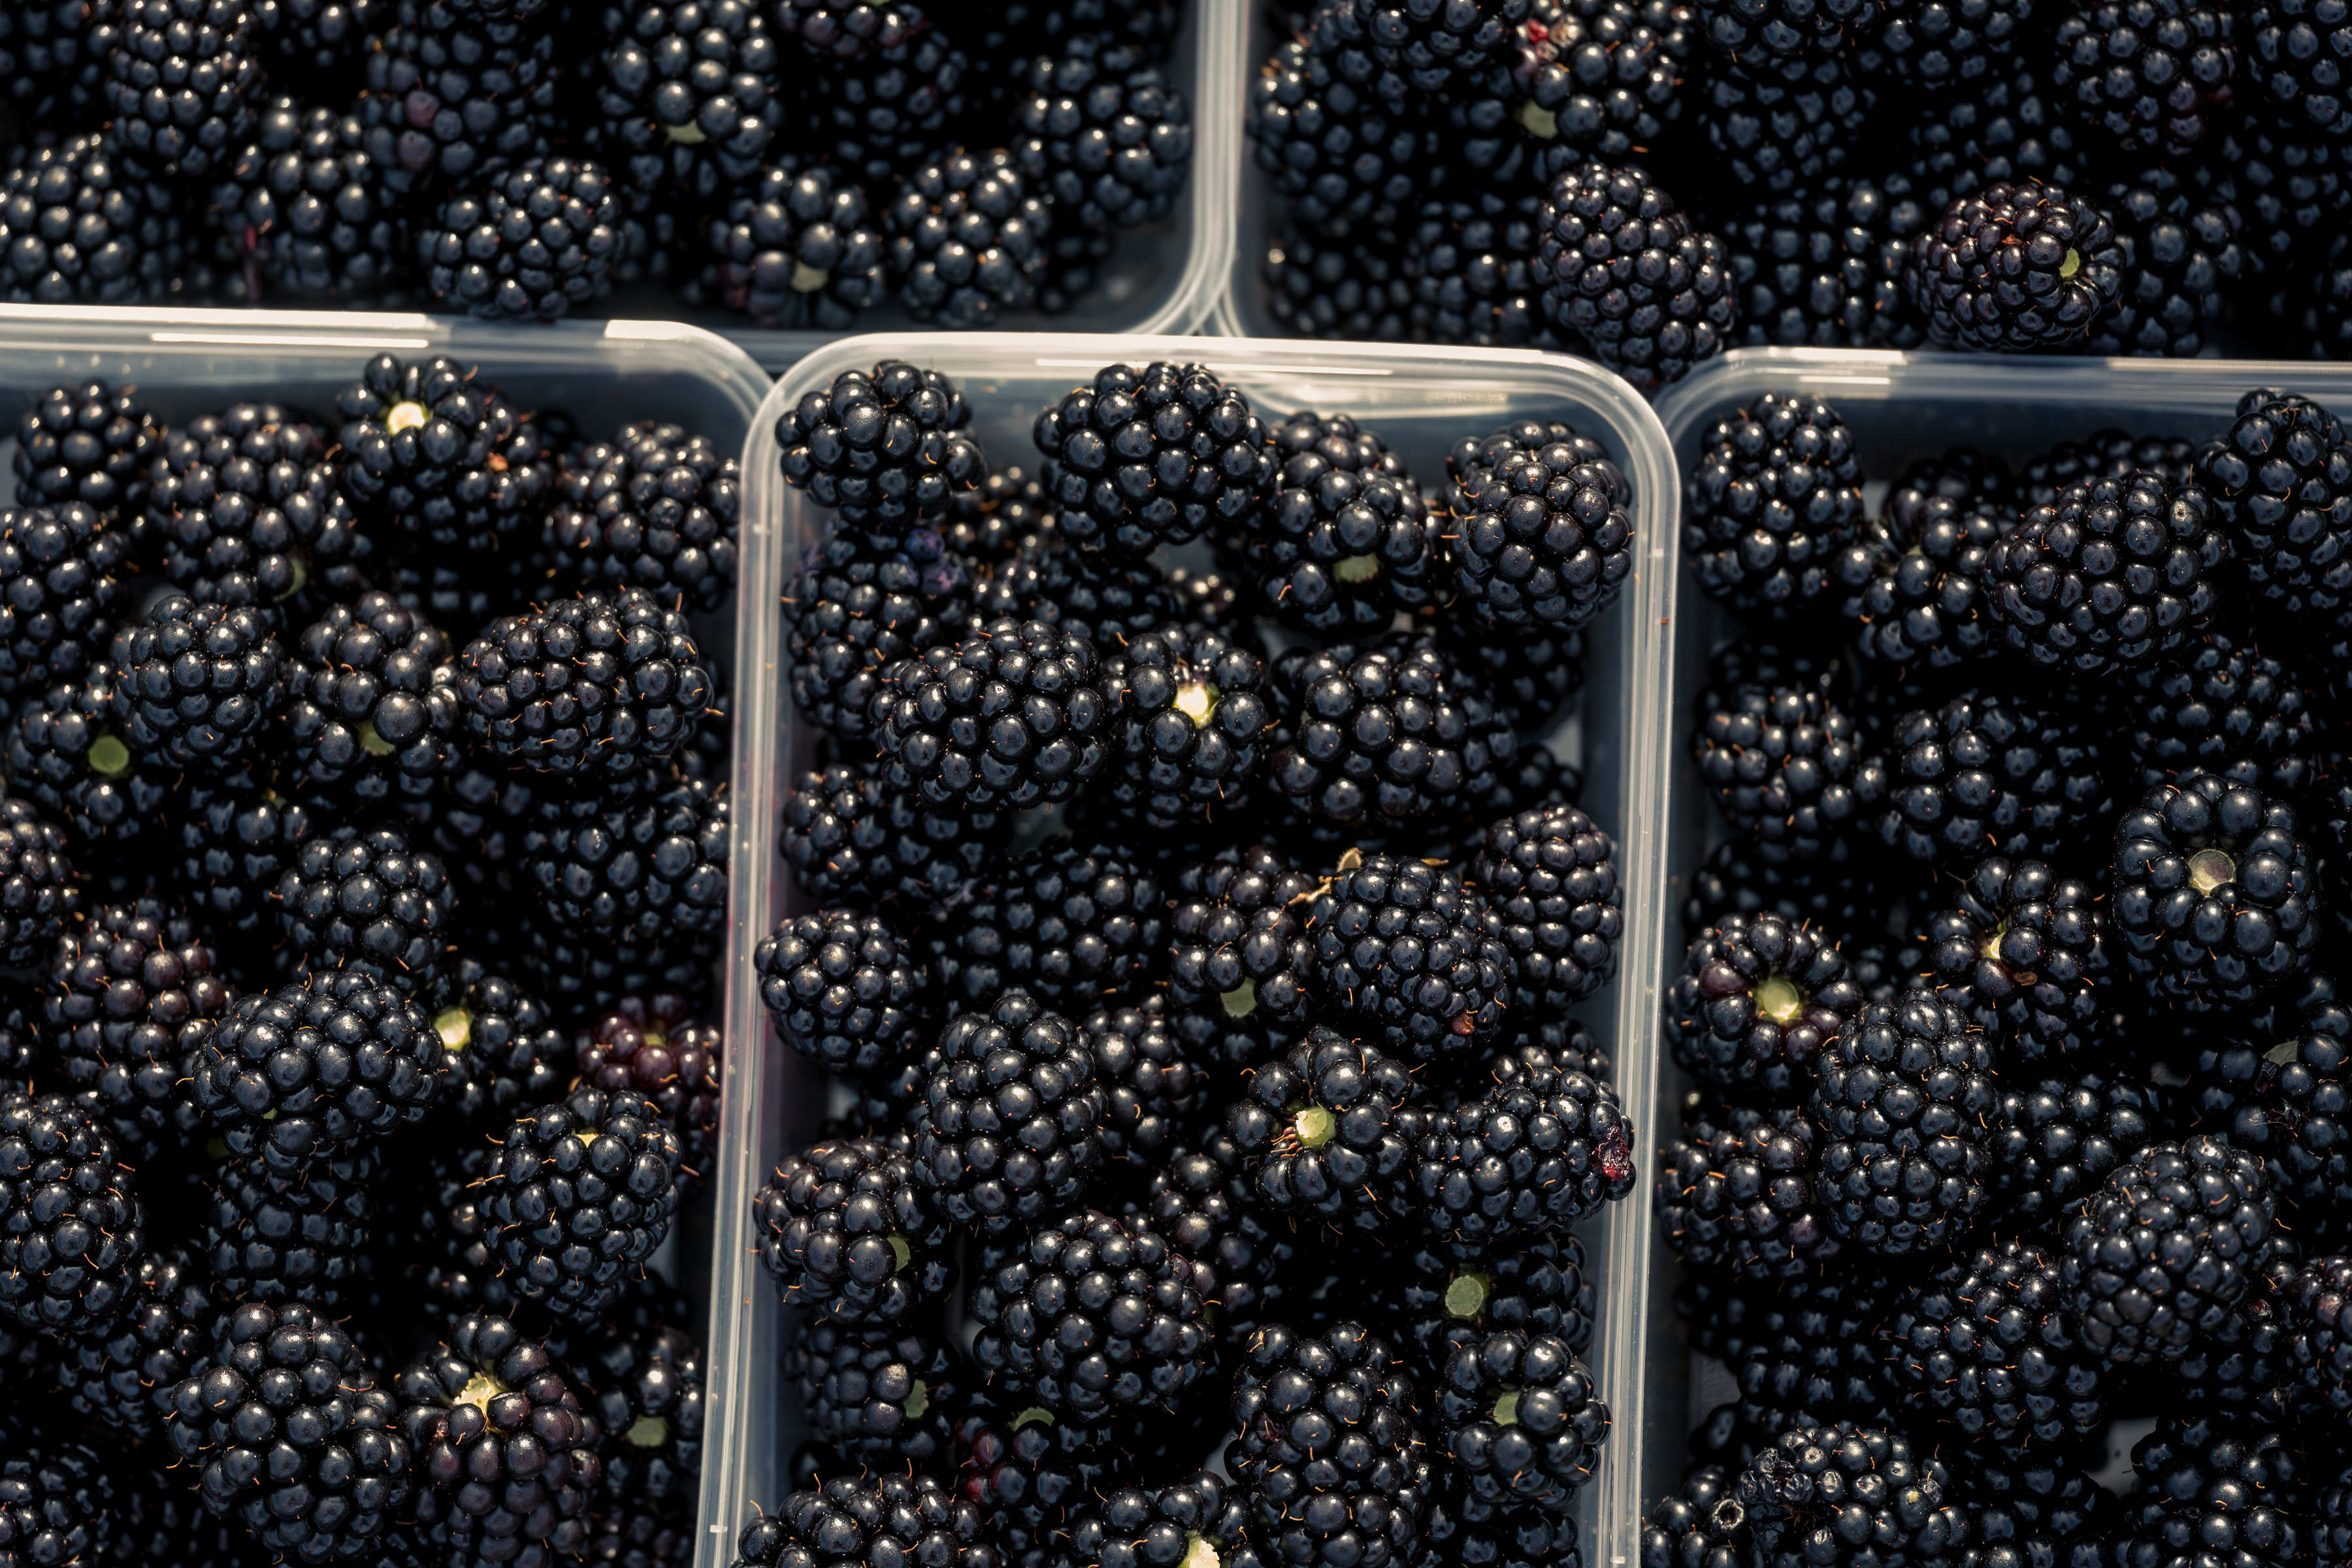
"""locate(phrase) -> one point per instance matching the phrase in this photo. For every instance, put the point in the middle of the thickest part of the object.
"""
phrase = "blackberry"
(289, 1435)
(1007, 513)
(1029, 1473)
(1628, 275)
(1347, 540)
(1550, 874)
(1521, 1418)
(1846, 1494)
(1759, 998)
(1786, 768)
(181, 83)
(847, 1520)
(584, 974)
(1988, 1348)
(2036, 1509)
(1987, 773)
(2211, 896)
(2209, 1489)
(503, 1044)
(1200, 1201)
(1541, 1288)
(316, 35)
(1543, 539)
(452, 1266)
(642, 1385)
(1151, 1091)
(2223, 707)
(793, 248)
(367, 901)
(1919, 580)
(70, 1225)
(36, 884)
(2020, 955)
(453, 97)
(2281, 481)
(1386, 730)
(1604, 71)
(90, 441)
(131, 989)
(439, 460)
(2283, 186)
(598, 1163)
(883, 447)
(2117, 572)
(860, 605)
(2161, 1251)
(2177, 253)
(655, 509)
(252, 491)
(1412, 952)
(875, 1395)
(1696, 1526)
(1936, 43)
(1427, 44)
(1803, 1352)
(2321, 1345)
(967, 239)
(1102, 135)
(631, 868)
(687, 93)
(2054, 1141)
(2006, 127)
(1540, 1151)
(1350, 161)
(236, 837)
(533, 242)
(887, 110)
(650, 1046)
(1327, 1131)
(1531, 680)
(1140, 458)
(2150, 74)
(1071, 921)
(1788, 128)
(1774, 498)
(50, 56)
(302, 213)
(64, 567)
(372, 702)
(1336, 290)
(1240, 969)
(1469, 267)
(82, 227)
(198, 682)
(505, 1455)
(2280, 1094)
(1107, 600)
(1036, 692)
(1192, 723)
(1903, 1097)
(594, 685)
(333, 1058)
(293, 1238)
(1009, 1128)
(1838, 892)
(2105, 454)
(2292, 53)
(843, 989)
(851, 838)
(2010, 268)
(848, 1235)
(1325, 1453)
(122, 1373)
(1158, 1526)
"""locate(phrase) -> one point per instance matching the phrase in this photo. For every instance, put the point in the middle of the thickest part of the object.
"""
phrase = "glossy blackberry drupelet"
(860, 602)
(367, 900)
(183, 83)
(2222, 706)
(1989, 1349)
(598, 1163)
(1788, 768)
(303, 1236)
(2115, 573)
(1917, 576)
(506, 1053)
(1987, 772)
(883, 447)
(1628, 275)
(1541, 1149)
(70, 1225)
(531, 244)
(968, 239)
(878, 1395)
(2211, 898)
(133, 987)
(1382, 731)
(794, 249)
(85, 228)
(198, 681)
(1549, 875)
(1192, 725)
(651, 1047)
(1790, 128)
(332, 1057)
(1847, 1494)
(1008, 1131)
(2178, 254)
(1904, 1096)
(289, 1436)
(687, 95)
(1325, 1450)
(90, 441)
(848, 1235)
(2021, 953)
(1521, 1418)
(505, 1455)
(2054, 1141)
(123, 1372)
(1142, 458)
(2210, 1487)
(372, 702)
(1240, 969)
(453, 97)
(631, 868)
(1413, 954)
(1759, 999)
(1351, 162)
(1152, 1091)
(598, 685)
(64, 566)
(843, 989)
(302, 211)
(850, 838)
(1542, 536)
(2280, 1093)
(1102, 133)
(846, 1521)
(2010, 268)
(1092, 1315)
(2160, 1252)
(2282, 478)
(1010, 717)
(1329, 1132)
(1346, 540)
(439, 460)
(1772, 500)
(2157, 75)
(656, 507)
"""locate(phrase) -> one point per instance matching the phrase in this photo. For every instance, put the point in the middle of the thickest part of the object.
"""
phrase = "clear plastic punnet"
(1901, 407)
(1419, 400)
(1254, 206)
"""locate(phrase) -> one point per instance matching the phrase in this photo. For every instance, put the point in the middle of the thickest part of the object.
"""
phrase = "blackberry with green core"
(642, 1381)
(371, 701)
(1521, 1418)
(1240, 969)
(796, 248)
(2011, 269)
(687, 93)
(438, 460)
(1540, 1288)
(1008, 1131)
(2278, 1094)
(2212, 897)
(2021, 954)
(67, 754)
(1345, 539)
(253, 490)
(1327, 1131)
(1192, 724)
(1758, 1000)
(598, 1162)
(1072, 921)
(1773, 498)
(504, 1050)
(842, 988)
(875, 1395)
(848, 1234)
